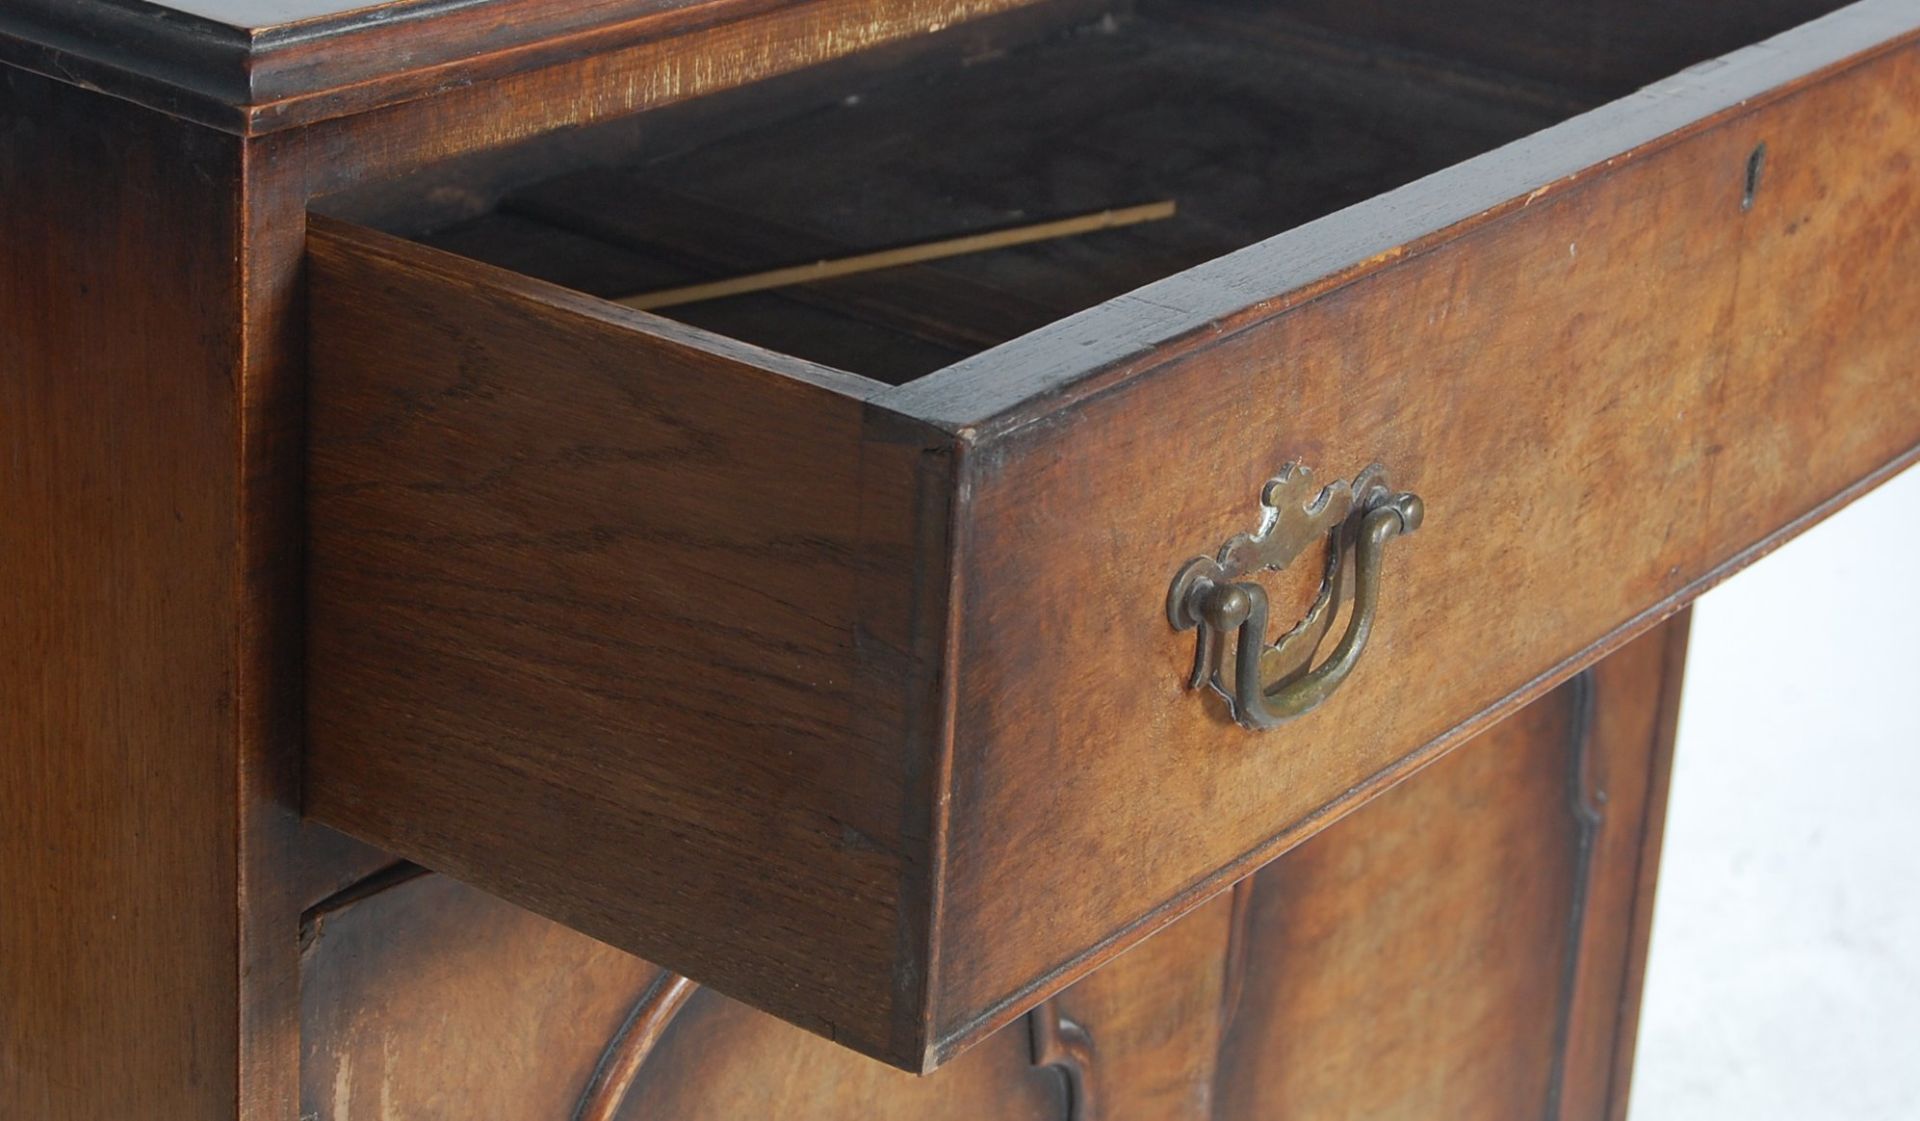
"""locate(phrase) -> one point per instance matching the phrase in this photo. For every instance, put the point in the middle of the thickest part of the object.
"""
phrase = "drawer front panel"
(1607, 398)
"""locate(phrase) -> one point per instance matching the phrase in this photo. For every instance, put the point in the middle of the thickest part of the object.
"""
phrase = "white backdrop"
(1784, 979)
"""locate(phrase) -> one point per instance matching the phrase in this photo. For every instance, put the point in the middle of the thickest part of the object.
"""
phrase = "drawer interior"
(1246, 118)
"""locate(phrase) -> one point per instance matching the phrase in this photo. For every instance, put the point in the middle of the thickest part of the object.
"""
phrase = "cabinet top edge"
(257, 66)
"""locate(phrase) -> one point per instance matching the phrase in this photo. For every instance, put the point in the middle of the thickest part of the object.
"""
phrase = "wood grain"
(254, 70)
(1455, 948)
(1608, 47)
(1088, 354)
(428, 993)
(119, 611)
(1247, 139)
(518, 490)
(1581, 394)
(432, 995)
(223, 70)
(153, 304)
(741, 709)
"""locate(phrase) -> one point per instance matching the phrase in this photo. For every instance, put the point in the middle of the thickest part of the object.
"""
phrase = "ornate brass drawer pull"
(1273, 684)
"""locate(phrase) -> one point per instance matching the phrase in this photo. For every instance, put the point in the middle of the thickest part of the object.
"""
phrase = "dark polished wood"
(1592, 46)
(120, 890)
(784, 865)
(237, 67)
(1245, 136)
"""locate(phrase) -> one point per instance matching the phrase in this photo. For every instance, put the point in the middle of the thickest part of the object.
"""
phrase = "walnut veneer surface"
(806, 661)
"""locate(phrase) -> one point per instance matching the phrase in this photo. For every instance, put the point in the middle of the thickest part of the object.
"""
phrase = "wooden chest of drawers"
(1130, 441)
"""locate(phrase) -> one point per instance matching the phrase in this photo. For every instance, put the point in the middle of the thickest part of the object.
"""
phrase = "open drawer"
(834, 643)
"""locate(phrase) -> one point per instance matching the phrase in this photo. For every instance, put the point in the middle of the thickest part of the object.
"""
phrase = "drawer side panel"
(618, 622)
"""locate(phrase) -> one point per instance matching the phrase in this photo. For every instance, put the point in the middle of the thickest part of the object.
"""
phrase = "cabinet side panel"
(118, 282)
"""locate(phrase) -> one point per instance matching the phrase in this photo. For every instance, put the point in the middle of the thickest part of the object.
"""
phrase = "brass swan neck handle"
(1272, 684)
